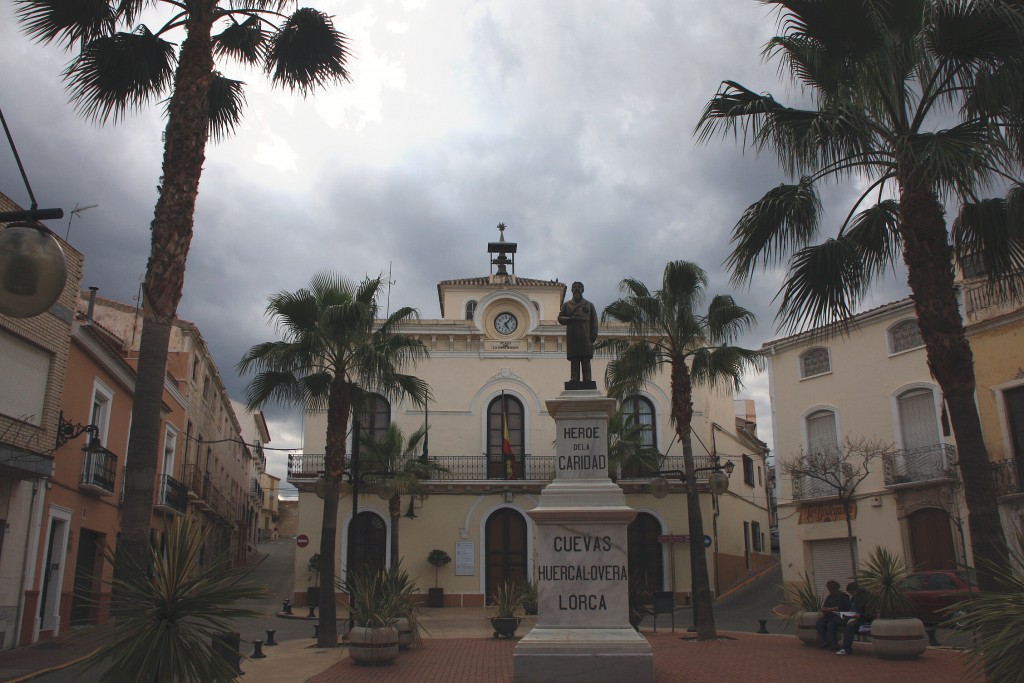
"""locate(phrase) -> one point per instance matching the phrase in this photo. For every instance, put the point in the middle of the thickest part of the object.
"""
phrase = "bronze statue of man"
(580, 319)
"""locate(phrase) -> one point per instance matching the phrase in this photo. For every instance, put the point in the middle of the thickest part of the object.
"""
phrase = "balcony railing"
(98, 472)
(915, 465)
(1009, 477)
(806, 488)
(172, 495)
(981, 302)
(309, 466)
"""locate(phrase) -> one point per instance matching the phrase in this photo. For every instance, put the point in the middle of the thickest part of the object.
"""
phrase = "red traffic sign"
(302, 540)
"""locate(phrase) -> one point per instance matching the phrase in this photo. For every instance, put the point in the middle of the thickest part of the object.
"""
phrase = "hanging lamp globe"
(33, 270)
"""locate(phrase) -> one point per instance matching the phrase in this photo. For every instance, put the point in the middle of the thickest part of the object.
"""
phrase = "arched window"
(815, 362)
(470, 309)
(504, 410)
(822, 444)
(367, 542)
(641, 410)
(375, 419)
(904, 336)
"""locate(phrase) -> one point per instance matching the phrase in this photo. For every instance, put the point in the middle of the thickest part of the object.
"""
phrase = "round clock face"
(506, 323)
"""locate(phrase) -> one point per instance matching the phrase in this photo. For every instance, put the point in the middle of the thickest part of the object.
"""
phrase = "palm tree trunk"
(395, 509)
(184, 153)
(338, 406)
(682, 408)
(928, 256)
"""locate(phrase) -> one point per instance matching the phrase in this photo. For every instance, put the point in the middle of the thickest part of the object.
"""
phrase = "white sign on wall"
(464, 554)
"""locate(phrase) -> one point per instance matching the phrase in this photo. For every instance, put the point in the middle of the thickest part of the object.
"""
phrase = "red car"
(932, 591)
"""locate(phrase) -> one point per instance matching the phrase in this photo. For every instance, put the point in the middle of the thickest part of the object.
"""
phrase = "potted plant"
(640, 599)
(893, 634)
(529, 590)
(374, 606)
(401, 587)
(507, 599)
(313, 591)
(437, 558)
(806, 602)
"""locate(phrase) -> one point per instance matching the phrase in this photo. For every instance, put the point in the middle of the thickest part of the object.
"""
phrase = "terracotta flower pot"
(372, 645)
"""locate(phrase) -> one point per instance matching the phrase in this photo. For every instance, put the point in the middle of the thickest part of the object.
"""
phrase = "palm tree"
(334, 352)
(628, 456)
(390, 452)
(121, 66)
(167, 616)
(665, 329)
(918, 102)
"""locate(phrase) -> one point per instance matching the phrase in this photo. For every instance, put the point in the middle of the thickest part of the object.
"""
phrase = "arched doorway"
(367, 542)
(645, 552)
(505, 548)
(931, 539)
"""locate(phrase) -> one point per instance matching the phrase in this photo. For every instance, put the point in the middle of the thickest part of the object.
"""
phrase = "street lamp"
(718, 481)
(33, 269)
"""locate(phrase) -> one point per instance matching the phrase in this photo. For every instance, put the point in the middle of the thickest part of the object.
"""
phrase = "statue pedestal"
(583, 632)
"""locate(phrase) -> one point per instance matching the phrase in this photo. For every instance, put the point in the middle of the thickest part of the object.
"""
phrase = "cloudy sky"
(569, 121)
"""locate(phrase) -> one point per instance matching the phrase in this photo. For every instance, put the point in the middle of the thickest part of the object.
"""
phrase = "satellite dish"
(33, 270)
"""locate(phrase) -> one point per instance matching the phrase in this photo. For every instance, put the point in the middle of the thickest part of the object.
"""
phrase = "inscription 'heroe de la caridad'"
(594, 572)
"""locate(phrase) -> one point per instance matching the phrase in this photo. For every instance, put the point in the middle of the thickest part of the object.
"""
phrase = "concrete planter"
(372, 645)
(405, 632)
(505, 626)
(901, 638)
(805, 627)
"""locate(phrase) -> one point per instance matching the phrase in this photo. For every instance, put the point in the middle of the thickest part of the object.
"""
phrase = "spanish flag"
(506, 443)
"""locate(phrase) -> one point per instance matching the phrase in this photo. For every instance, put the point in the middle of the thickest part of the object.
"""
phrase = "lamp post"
(33, 269)
(718, 483)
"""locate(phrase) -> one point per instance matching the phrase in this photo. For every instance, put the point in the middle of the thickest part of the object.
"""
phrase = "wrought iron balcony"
(99, 470)
(936, 463)
(807, 488)
(172, 494)
(305, 466)
(1009, 477)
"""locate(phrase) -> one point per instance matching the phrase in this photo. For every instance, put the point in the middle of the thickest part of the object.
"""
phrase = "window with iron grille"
(815, 362)
(375, 419)
(905, 335)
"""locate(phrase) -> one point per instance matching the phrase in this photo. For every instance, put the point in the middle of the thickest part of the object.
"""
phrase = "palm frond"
(824, 285)
(958, 160)
(66, 21)
(726, 320)
(633, 367)
(244, 41)
(113, 74)
(875, 235)
(990, 234)
(724, 365)
(784, 219)
(226, 101)
(307, 52)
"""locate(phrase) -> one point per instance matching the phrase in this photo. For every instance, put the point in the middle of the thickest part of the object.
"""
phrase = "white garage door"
(830, 559)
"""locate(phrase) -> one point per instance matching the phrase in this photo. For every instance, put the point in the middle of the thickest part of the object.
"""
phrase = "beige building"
(270, 516)
(213, 461)
(996, 334)
(33, 363)
(497, 350)
(873, 384)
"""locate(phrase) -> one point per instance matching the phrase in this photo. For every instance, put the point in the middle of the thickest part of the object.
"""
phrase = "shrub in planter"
(892, 633)
(508, 600)
(437, 559)
(807, 603)
(374, 607)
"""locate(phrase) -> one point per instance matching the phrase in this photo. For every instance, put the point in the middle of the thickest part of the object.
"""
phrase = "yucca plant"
(508, 598)
(998, 616)
(165, 619)
(376, 597)
(882, 577)
(802, 597)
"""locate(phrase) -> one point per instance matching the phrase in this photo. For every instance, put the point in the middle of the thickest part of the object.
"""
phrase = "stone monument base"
(583, 655)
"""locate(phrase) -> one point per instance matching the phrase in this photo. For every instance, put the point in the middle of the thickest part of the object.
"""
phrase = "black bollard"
(316, 630)
(932, 640)
(287, 607)
(270, 637)
(312, 612)
(764, 626)
(257, 652)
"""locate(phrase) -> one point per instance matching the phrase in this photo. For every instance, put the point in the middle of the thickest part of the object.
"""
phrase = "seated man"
(836, 601)
(859, 599)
